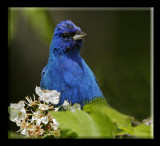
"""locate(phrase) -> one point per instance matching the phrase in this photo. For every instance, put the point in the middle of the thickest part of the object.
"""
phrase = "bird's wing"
(72, 78)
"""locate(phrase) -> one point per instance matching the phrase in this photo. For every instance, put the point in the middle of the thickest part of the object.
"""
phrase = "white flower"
(24, 125)
(38, 117)
(77, 106)
(17, 112)
(47, 96)
(45, 119)
(38, 123)
(147, 121)
(66, 105)
(55, 124)
(54, 100)
(40, 131)
(54, 121)
(73, 109)
(56, 109)
(38, 91)
(32, 129)
(25, 132)
(43, 107)
(31, 103)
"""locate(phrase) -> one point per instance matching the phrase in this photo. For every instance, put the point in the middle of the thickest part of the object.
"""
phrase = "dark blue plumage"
(66, 71)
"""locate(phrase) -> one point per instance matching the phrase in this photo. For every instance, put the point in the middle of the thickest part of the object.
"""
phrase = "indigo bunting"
(66, 71)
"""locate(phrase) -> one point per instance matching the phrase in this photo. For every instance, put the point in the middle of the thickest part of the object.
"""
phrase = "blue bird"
(66, 71)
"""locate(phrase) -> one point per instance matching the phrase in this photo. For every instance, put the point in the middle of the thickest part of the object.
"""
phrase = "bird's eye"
(65, 35)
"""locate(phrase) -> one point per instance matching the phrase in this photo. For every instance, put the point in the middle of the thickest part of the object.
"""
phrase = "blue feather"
(66, 71)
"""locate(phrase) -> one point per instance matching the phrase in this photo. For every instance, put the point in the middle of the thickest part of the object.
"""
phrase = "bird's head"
(67, 38)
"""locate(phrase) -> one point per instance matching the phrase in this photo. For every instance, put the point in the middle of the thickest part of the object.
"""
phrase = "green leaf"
(143, 131)
(122, 121)
(82, 125)
(49, 136)
(103, 122)
(140, 131)
(68, 133)
(41, 22)
(13, 135)
(88, 106)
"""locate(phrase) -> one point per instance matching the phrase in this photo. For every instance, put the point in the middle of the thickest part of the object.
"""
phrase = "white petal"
(44, 98)
(55, 93)
(72, 110)
(54, 100)
(55, 127)
(25, 132)
(54, 121)
(38, 122)
(21, 104)
(17, 112)
(14, 105)
(43, 107)
(14, 114)
(38, 91)
(45, 119)
(56, 109)
(66, 105)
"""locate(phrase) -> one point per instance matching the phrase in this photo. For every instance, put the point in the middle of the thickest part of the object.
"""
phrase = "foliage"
(100, 121)
(43, 26)
(12, 135)
(96, 120)
(140, 131)
(80, 124)
(39, 21)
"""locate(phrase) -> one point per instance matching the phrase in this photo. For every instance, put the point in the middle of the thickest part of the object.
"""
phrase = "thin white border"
(152, 67)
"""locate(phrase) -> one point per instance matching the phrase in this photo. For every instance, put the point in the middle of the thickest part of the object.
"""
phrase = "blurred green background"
(117, 49)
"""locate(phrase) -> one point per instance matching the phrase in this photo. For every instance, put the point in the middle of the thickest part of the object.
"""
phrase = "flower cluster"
(33, 117)
(148, 121)
(68, 106)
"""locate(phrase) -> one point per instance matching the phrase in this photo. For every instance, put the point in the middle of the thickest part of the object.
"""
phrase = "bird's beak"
(79, 36)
